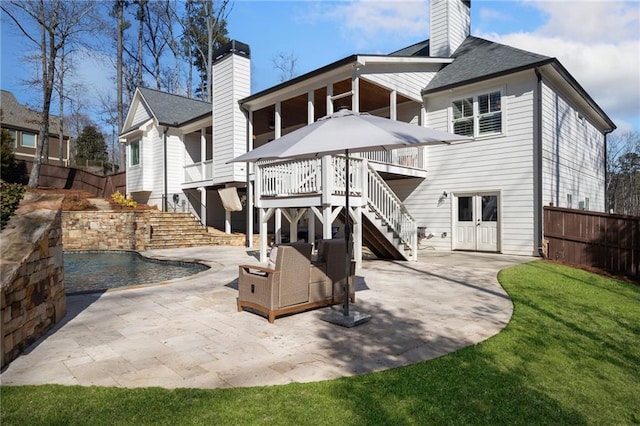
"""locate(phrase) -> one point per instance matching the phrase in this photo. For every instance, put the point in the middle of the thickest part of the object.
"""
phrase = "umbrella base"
(339, 318)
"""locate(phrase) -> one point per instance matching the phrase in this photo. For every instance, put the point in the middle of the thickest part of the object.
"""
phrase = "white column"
(311, 226)
(355, 98)
(227, 222)
(263, 234)
(329, 99)
(293, 225)
(277, 121)
(249, 206)
(278, 225)
(311, 112)
(357, 236)
(326, 222)
(203, 152)
(393, 105)
(203, 205)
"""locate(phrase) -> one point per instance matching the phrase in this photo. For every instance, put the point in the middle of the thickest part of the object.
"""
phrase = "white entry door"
(476, 221)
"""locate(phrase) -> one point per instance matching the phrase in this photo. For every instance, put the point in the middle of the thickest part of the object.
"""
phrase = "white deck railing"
(391, 210)
(304, 177)
(198, 172)
(405, 157)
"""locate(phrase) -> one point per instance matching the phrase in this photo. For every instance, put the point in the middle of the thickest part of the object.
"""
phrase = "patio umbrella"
(345, 132)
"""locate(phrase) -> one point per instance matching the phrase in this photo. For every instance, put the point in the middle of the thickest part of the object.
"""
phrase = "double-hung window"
(478, 115)
(134, 153)
(28, 140)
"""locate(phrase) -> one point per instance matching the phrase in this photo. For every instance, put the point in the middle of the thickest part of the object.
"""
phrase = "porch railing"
(198, 172)
(301, 177)
(404, 157)
(384, 202)
(293, 177)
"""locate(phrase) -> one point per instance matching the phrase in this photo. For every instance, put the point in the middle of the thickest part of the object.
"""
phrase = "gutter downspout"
(539, 211)
(165, 206)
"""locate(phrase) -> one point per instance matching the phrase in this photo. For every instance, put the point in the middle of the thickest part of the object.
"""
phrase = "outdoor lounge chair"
(280, 288)
(291, 283)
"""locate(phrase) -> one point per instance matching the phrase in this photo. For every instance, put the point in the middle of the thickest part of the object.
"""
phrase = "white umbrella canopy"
(348, 131)
(345, 132)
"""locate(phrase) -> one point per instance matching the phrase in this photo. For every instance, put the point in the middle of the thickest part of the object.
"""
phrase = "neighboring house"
(537, 139)
(23, 124)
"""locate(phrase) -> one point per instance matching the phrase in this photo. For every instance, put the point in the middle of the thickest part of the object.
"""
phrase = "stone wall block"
(33, 298)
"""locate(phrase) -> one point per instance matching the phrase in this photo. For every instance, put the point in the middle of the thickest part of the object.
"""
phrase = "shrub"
(10, 196)
(121, 200)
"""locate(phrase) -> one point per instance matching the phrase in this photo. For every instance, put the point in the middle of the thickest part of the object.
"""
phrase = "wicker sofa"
(292, 283)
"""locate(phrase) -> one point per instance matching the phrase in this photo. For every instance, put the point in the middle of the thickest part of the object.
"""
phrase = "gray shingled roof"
(418, 49)
(17, 116)
(478, 59)
(174, 110)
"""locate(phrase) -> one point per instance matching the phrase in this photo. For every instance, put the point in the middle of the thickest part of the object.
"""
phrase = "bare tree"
(285, 64)
(57, 23)
(623, 173)
(204, 30)
(121, 24)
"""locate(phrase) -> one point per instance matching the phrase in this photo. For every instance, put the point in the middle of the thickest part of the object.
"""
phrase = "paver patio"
(188, 333)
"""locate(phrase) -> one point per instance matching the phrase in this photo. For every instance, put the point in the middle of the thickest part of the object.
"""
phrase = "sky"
(597, 41)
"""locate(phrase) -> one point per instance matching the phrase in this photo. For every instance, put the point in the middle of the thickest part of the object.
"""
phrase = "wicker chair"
(280, 289)
(329, 271)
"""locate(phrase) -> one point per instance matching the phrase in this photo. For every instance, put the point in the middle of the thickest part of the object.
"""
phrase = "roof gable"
(478, 59)
(17, 116)
(173, 110)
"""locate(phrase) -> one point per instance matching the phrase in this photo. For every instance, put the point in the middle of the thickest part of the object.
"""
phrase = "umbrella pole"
(347, 237)
(346, 319)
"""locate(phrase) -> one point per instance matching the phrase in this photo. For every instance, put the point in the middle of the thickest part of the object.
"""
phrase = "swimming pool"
(90, 271)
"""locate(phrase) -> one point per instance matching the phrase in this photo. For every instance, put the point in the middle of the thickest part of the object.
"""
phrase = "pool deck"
(188, 333)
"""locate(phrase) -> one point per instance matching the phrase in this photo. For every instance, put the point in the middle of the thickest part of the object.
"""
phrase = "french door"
(476, 217)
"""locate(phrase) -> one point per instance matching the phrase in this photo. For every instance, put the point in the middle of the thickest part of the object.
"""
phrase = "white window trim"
(139, 164)
(476, 113)
(35, 140)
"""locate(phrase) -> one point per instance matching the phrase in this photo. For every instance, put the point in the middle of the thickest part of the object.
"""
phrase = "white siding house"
(536, 138)
(178, 148)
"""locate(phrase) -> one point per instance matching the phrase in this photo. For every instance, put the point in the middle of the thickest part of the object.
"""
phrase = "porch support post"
(311, 227)
(393, 105)
(355, 88)
(278, 225)
(277, 121)
(326, 222)
(203, 205)
(227, 222)
(357, 236)
(203, 153)
(249, 206)
(263, 218)
(329, 99)
(311, 114)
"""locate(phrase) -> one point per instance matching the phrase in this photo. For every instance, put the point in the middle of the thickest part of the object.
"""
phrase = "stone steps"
(176, 230)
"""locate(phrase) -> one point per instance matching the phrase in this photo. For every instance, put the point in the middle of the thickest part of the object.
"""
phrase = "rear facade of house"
(536, 138)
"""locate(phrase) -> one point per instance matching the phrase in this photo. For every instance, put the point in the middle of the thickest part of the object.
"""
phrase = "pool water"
(88, 271)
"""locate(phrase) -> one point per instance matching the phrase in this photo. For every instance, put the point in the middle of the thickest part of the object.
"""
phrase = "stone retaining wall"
(105, 230)
(32, 272)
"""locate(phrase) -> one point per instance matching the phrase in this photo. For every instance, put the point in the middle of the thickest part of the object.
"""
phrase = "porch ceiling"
(294, 110)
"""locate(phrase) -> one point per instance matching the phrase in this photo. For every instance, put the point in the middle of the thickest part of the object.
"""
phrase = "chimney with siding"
(450, 25)
(231, 82)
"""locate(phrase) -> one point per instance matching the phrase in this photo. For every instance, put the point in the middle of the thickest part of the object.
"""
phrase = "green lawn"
(570, 355)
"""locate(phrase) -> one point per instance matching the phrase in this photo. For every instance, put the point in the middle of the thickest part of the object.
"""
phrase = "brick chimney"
(450, 25)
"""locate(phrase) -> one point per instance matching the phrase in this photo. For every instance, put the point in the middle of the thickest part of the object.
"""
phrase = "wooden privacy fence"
(54, 176)
(605, 241)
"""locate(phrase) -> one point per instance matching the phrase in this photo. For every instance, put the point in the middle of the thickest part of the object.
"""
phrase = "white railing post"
(257, 183)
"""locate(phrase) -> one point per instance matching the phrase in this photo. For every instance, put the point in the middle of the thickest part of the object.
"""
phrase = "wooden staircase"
(175, 230)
